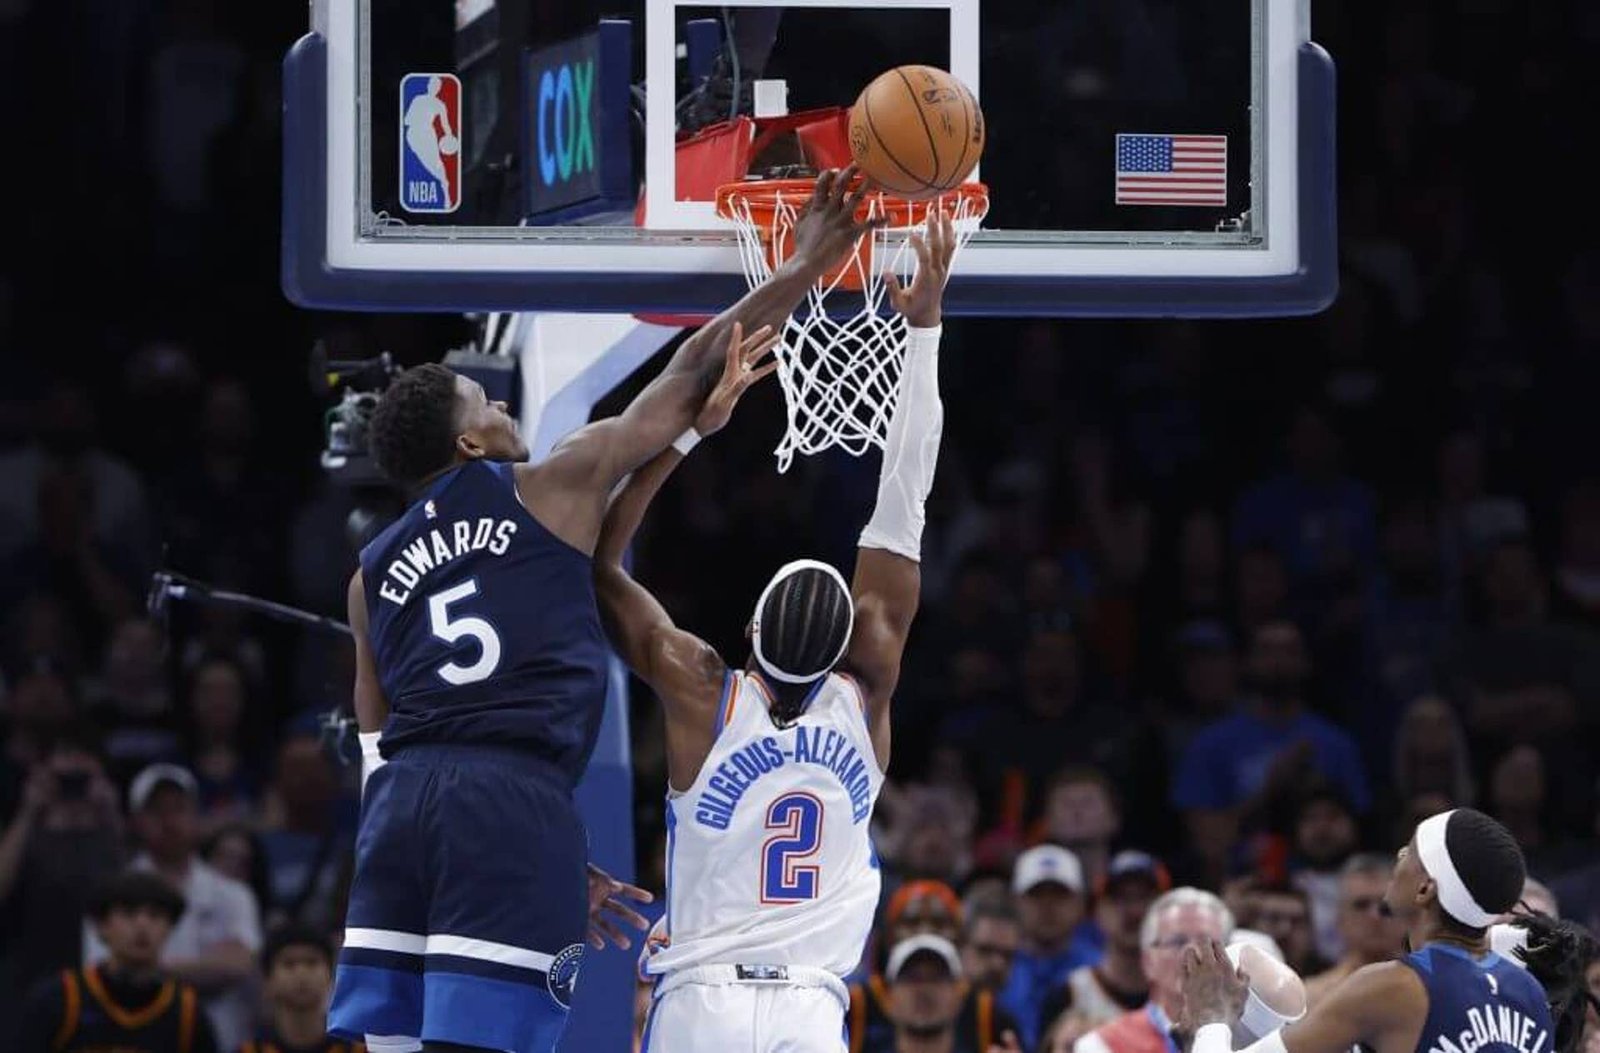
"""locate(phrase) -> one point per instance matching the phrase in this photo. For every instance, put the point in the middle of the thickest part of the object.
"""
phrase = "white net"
(840, 375)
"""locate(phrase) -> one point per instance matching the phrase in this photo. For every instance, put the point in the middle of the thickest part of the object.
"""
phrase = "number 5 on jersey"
(784, 879)
(475, 629)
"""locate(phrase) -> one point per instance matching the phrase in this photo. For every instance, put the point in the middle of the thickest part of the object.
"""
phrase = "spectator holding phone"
(62, 841)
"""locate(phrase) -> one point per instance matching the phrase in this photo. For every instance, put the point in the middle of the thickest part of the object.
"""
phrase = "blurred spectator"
(1049, 885)
(922, 911)
(63, 478)
(989, 944)
(919, 907)
(1242, 765)
(1521, 675)
(1081, 814)
(1325, 835)
(39, 707)
(1470, 519)
(1577, 577)
(1579, 895)
(1518, 798)
(219, 745)
(1430, 753)
(1284, 913)
(1368, 934)
(1260, 588)
(297, 972)
(134, 704)
(924, 993)
(63, 841)
(40, 633)
(1320, 520)
(235, 851)
(1408, 618)
(1052, 723)
(1095, 995)
(215, 943)
(306, 840)
(126, 1002)
(1178, 920)
(1208, 682)
(930, 832)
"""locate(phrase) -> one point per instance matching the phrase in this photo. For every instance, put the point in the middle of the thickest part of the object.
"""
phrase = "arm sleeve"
(910, 452)
(1218, 1038)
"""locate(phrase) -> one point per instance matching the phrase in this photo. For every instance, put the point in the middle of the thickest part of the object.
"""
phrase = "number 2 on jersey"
(475, 629)
(797, 818)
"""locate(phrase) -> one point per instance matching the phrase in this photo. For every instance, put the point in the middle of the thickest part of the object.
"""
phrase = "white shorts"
(766, 1017)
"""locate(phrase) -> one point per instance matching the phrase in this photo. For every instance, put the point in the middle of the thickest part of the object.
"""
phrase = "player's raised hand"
(1214, 989)
(608, 911)
(921, 302)
(828, 228)
(741, 368)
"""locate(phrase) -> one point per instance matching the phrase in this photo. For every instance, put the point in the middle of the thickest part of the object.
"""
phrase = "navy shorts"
(469, 905)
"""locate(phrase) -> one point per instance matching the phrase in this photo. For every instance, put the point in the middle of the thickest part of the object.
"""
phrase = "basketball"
(916, 131)
(448, 145)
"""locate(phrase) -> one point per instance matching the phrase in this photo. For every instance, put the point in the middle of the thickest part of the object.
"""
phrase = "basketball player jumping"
(479, 655)
(1461, 872)
(774, 768)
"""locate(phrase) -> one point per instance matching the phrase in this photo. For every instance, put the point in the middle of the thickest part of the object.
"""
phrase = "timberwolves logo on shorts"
(430, 142)
(562, 977)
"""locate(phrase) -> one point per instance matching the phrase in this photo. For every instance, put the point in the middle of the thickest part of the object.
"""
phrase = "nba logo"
(430, 142)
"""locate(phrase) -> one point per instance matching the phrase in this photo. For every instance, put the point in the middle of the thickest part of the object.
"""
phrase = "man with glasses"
(1369, 937)
(1179, 919)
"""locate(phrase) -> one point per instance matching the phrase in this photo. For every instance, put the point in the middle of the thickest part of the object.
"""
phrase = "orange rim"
(759, 202)
(764, 196)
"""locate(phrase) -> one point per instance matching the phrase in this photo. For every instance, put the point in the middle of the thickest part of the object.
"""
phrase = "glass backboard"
(1143, 156)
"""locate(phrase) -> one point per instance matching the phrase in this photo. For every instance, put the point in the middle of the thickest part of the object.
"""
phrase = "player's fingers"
(897, 291)
(595, 939)
(841, 185)
(757, 374)
(870, 224)
(634, 892)
(758, 353)
(627, 914)
(920, 246)
(858, 195)
(819, 189)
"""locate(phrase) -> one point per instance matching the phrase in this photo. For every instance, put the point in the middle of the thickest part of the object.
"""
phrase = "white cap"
(927, 943)
(1277, 995)
(1047, 863)
(144, 784)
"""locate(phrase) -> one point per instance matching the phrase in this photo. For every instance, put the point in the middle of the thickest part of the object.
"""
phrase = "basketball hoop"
(840, 376)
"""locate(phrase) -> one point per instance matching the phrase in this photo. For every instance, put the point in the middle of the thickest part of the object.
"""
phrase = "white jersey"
(768, 856)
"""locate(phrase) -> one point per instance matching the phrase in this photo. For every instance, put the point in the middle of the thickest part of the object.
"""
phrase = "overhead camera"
(358, 384)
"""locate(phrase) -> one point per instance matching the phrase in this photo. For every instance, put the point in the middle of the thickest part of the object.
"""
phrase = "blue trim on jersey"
(649, 1025)
(672, 844)
(491, 1014)
(373, 1000)
(722, 703)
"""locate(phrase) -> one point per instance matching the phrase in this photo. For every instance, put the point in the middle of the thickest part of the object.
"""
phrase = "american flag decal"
(1172, 170)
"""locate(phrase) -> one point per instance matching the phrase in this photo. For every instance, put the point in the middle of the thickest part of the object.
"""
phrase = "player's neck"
(302, 1029)
(1432, 931)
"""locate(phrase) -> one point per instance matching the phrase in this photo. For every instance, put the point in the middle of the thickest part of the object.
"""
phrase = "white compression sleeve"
(911, 451)
(371, 759)
(1218, 1038)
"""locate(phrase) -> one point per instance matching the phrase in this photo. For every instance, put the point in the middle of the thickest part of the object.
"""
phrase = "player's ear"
(468, 446)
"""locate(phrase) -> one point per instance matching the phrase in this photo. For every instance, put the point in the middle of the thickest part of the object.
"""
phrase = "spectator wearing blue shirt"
(1056, 938)
(1236, 766)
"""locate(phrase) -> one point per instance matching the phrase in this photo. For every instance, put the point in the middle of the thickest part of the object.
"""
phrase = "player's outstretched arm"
(370, 704)
(591, 460)
(680, 667)
(1381, 1006)
(888, 579)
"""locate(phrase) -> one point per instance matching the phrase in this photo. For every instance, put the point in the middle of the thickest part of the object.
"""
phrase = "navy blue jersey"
(483, 624)
(1480, 1003)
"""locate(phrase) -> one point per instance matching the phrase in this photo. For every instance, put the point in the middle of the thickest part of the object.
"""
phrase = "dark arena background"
(1250, 596)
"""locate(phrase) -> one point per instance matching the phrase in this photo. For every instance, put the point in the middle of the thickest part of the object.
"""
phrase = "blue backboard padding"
(310, 282)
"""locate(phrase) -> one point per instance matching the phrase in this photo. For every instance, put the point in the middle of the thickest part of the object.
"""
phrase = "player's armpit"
(371, 706)
(1381, 1006)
